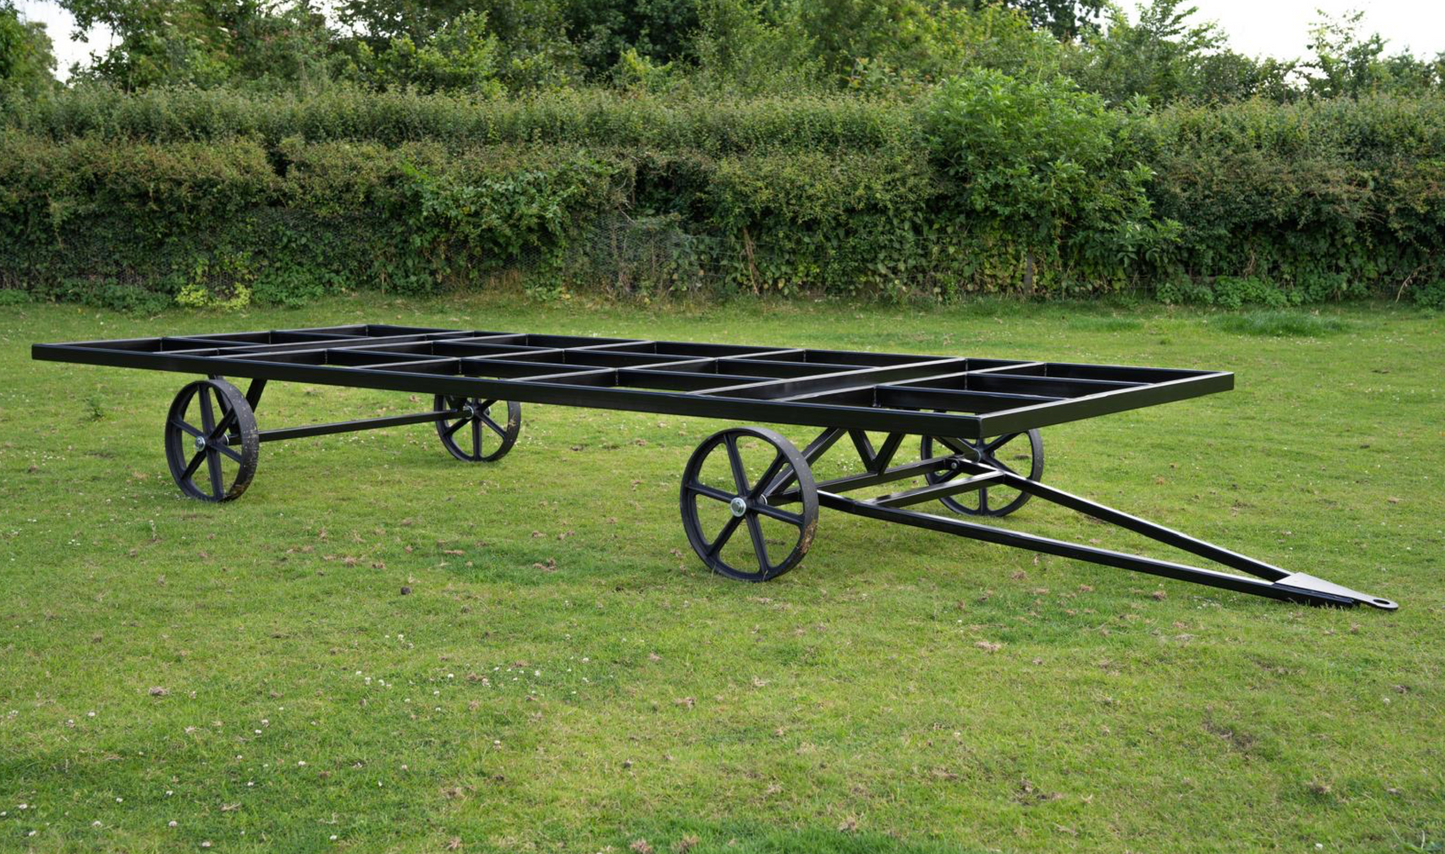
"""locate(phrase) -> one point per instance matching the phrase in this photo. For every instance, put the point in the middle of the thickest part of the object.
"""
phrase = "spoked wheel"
(474, 435)
(753, 478)
(1004, 452)
(212, 443)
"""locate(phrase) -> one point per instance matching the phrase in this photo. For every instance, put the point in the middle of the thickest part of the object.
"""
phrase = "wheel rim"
(211, 441)
(1019, 453)
(718, 489)
(473, 434)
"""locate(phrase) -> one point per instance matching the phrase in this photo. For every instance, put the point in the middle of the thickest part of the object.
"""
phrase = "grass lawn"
(564, 675)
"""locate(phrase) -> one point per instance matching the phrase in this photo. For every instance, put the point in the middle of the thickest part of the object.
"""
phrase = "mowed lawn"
(565, 676)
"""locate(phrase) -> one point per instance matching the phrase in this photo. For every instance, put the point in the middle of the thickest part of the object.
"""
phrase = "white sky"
(1280, 28)
(1255, 27)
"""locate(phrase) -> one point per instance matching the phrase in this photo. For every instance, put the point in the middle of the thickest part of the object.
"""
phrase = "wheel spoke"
(226, 421)
(194, 464)
(213, 463)
(765, 482)
(794, 519)
(208, 418)
(476, 439)
(990, 447)
(983, 500)
(453, 428)
(496, 428)
(739, 476)
(186, 428)
(229, 451)
(709, 491)
(723, 536)
(755, 530)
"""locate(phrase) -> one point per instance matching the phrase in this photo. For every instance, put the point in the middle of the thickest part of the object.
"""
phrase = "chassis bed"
(966, 408)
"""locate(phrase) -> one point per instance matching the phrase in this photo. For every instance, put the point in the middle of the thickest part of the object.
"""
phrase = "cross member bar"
(305, 430)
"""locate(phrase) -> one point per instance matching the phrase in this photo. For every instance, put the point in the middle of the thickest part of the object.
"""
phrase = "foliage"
(1063, 19)
(208, 43)
(528, 38)
(1166, 57)
(740, 47)
(1305, 202)
(1049, 167)
(894, 48)
(990, 184)
(1349, 63)
(462, 56)
(26, 60)
(888, 148)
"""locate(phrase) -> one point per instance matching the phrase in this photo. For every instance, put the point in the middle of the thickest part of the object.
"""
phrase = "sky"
(1276, 28)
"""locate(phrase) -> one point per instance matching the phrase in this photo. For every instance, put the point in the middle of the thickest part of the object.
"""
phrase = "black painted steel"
(467, 427)
(942, 474)
(308, 430)
(748, 501)
(210, 434)
(990, 452)
(970, 411)
(967, 397)
(1092, 554)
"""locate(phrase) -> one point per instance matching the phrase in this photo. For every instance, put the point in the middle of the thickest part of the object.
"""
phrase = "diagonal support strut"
(1269, 581)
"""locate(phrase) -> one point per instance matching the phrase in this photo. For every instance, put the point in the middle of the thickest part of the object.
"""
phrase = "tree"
(1347, 64)
(907, 45)
(1166, 56)
(1066, 19)
(27, 62)
(461, 56)
(593, 34)
(206, 42)
(741, 47)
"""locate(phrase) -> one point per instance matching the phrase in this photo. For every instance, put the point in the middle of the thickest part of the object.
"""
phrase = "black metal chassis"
(843, 392)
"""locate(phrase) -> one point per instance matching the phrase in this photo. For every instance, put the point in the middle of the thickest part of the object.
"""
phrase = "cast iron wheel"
(211, 432)
(785, 479)
(478, 428)
(990, 452)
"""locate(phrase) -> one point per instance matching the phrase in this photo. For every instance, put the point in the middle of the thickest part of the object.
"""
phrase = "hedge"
(986, 185)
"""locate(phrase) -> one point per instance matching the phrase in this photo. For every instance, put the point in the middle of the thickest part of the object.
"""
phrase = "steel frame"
(972, 398)
(950, 399)
(1269, 581)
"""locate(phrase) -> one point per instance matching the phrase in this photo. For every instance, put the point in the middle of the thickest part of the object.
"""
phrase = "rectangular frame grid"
(936, 395)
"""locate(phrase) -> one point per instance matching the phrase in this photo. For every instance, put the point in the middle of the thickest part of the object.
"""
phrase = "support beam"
(1295, 591)
(860, 481)
(936, 491)
(306, 430)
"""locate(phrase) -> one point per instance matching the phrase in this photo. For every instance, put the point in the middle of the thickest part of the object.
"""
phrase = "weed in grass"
(94, 408)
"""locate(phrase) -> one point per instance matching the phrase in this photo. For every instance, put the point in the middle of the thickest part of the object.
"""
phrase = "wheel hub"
(200, 443)
(738, 506)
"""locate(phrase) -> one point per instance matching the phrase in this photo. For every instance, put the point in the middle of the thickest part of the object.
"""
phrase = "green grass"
(1295, 324)
(853, 705)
